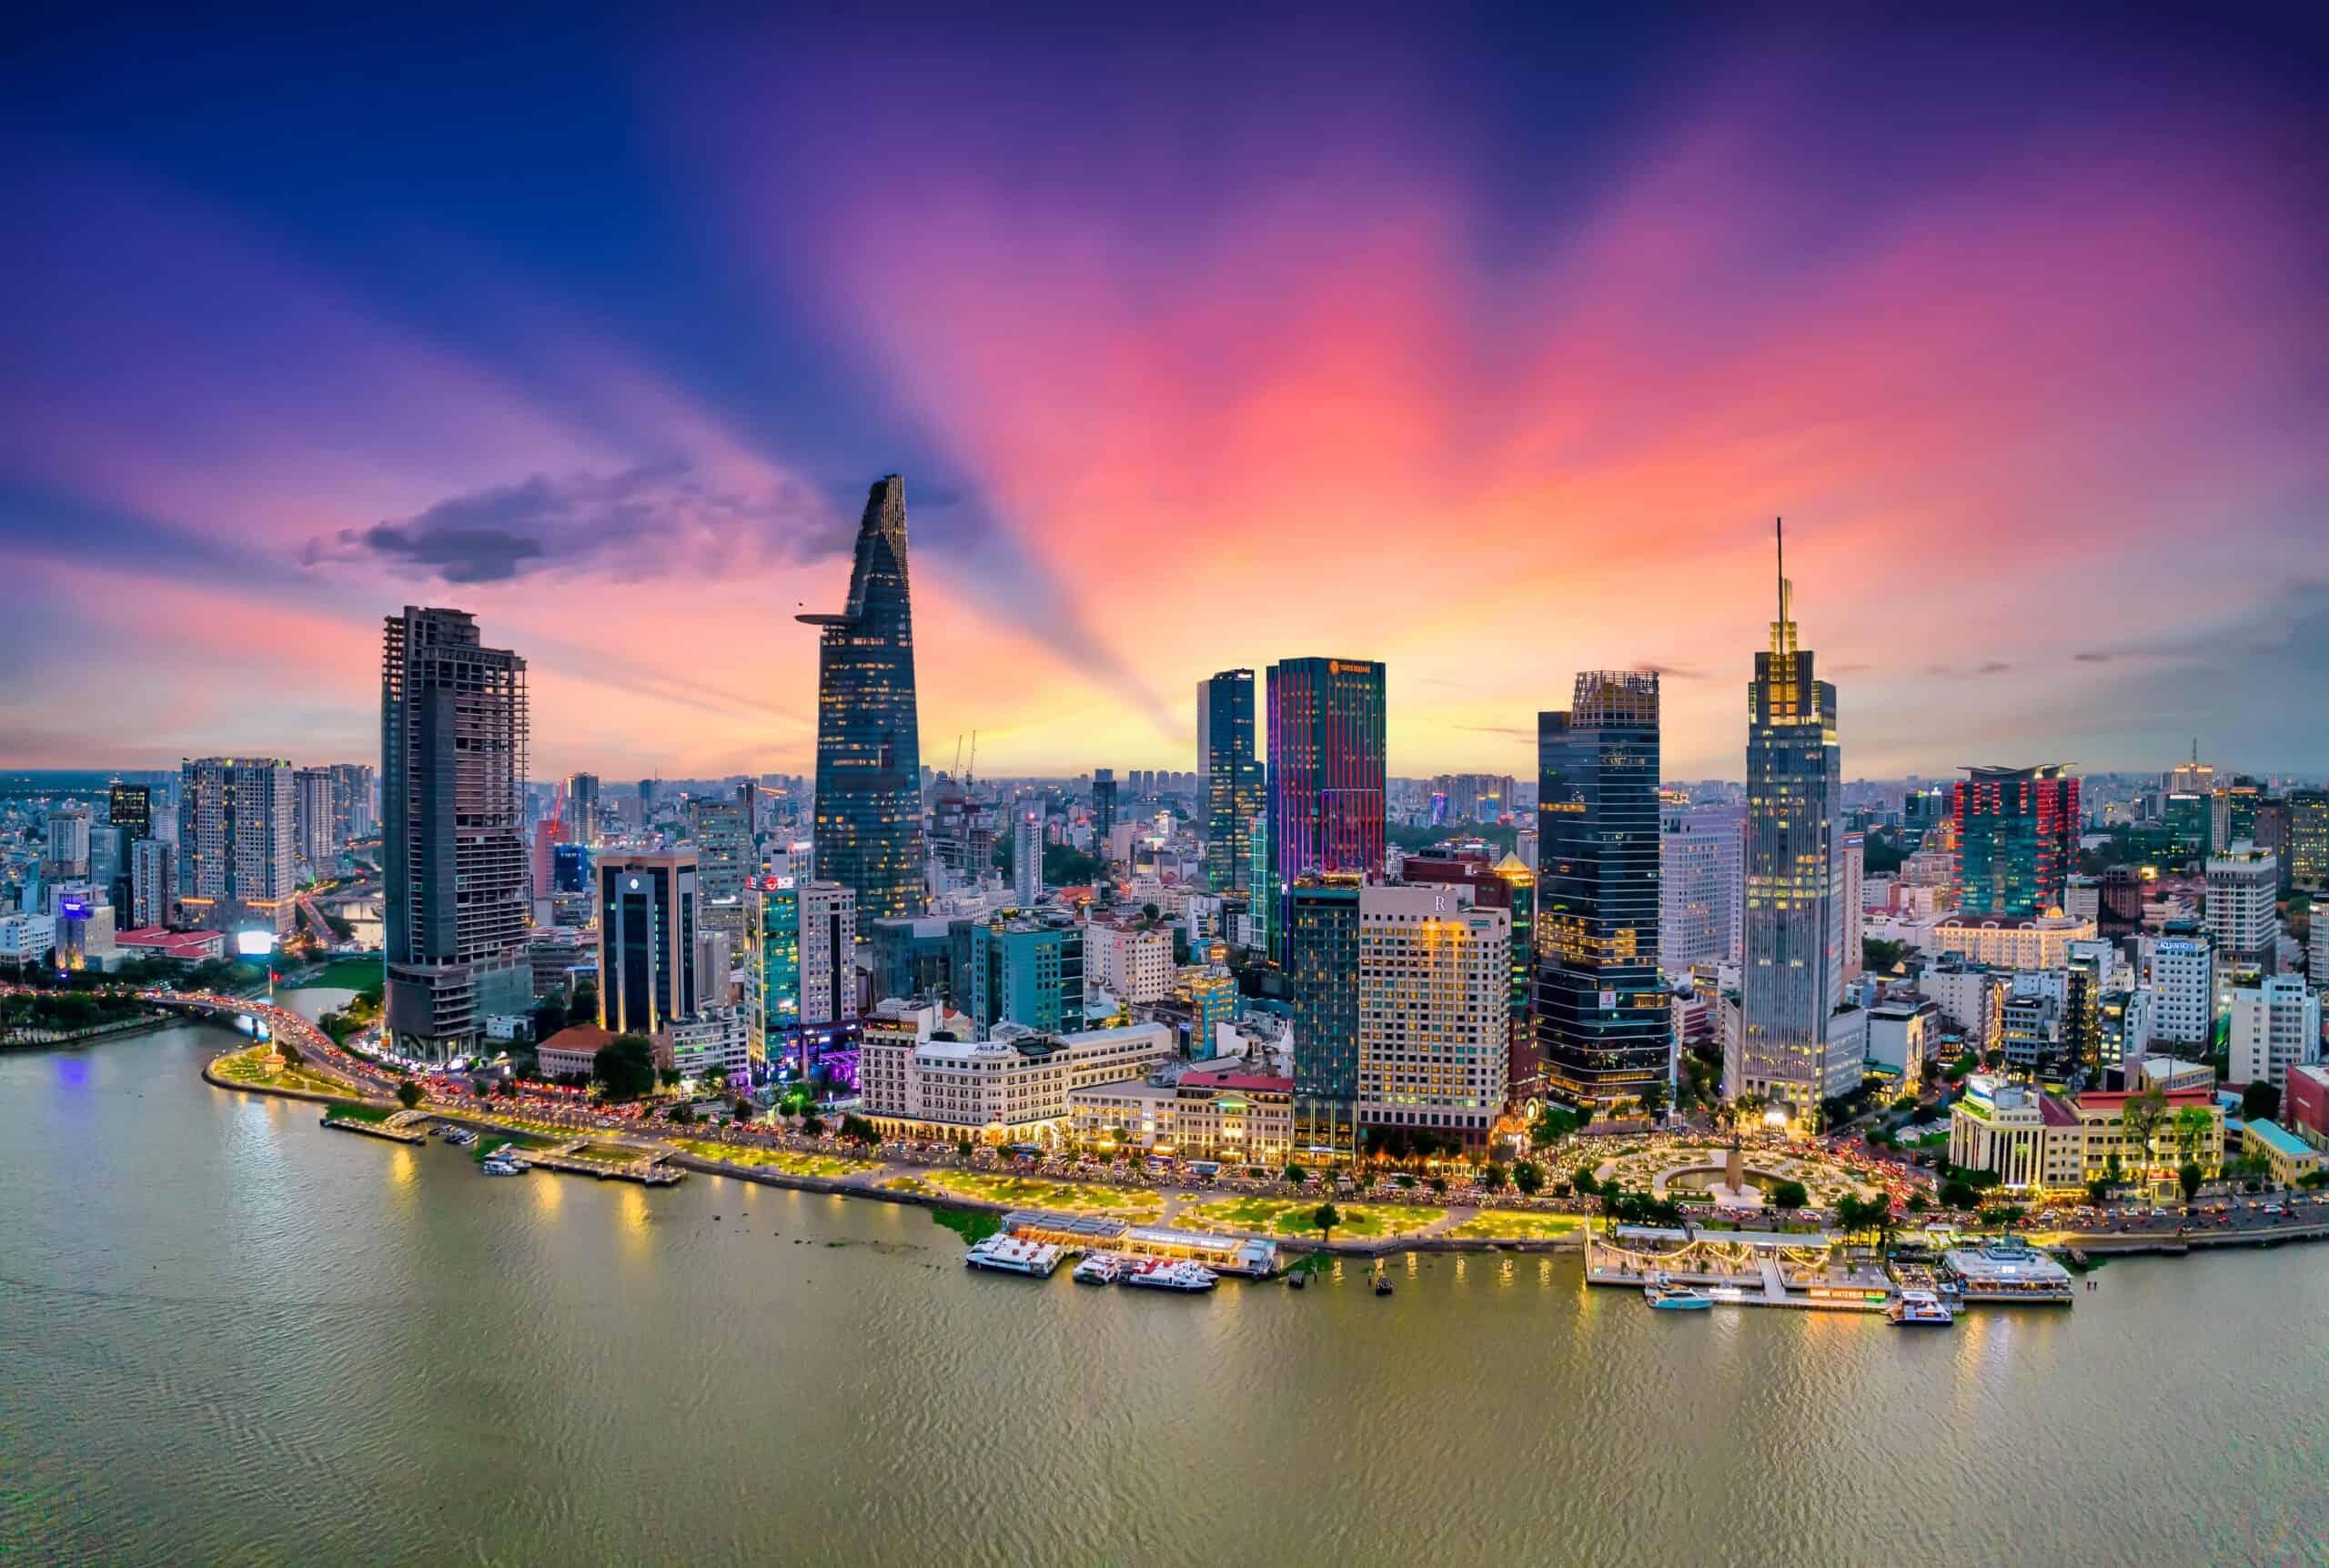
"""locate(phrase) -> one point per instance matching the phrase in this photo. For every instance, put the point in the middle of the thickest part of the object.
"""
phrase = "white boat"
(1676, 1298)
(1010, 1255)
(494, 1165)
(1168, 1274)
(1916, 1307)
(1099, 1269)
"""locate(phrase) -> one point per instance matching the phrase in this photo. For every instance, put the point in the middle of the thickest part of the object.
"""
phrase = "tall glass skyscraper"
(1793, 978)
(1322, 944)
(1604, 1021)
(869, 748)
(2017, 837)
(1230, 769)
(1325, 775)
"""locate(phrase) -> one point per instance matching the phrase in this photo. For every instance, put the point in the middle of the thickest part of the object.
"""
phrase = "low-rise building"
(1901, 1033)
(161, 942)
(1235, 1118)
(718, 1038)
(2043, 1143)
(1012, 1087)
(2012, 941)
(573, 1051)
(2290, 1158)
(2304, 1103)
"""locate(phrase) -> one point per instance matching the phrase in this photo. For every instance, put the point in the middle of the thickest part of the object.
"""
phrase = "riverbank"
(122, 1030)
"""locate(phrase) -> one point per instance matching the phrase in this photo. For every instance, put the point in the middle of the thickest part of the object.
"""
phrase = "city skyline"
(1424, 383)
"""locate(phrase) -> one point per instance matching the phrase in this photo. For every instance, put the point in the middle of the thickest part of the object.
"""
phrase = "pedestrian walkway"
(1774, 1284)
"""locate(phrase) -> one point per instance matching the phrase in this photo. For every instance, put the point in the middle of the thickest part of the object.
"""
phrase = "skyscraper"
(582, 807)
(723, 857)
(1230, 771)
(647, 940)
(318, 834)
(130, 806)
(1321, 942)
(1027, 858)
(352, 787)
(2309, 839)
(453, 847)
(152, 883)
(1434, 1034)
(869, 748)
(237, 845)
(1325, 775)
(1104, 809)
(1603, 1018)
(2017, 837)
(1699, 885)
(1793, 978)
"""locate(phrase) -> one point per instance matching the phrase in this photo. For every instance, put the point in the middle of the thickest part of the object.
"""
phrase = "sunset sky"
(1488, 349)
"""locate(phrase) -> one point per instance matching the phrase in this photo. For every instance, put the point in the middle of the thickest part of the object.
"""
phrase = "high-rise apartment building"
(869, 747)
(582, 813)
(2181, 972)
(1604, 1019)
(1026, 856)
(1321, 944)
(1434, 1042)
(237, 845)
(1325, 775)
(130, 807)
(152, 883)
(647, 940)
(2309, 839)
(456, 873)
(1699, 886)
(1791, 979)
(800, 968)
(67, 855)
(1104, 809)
(316, 830)
(1229, 772)
(2275, 1025)
(2017, 837)
(2243, 912)
(724, 858)
(354, 787)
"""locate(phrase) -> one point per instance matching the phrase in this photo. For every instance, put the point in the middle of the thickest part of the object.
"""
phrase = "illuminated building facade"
(1434, 973)
(1325, 775)
(1322, 947)
(1027, 970)
(1791, 977)
(130, 807)
(800, 968)
(2189, 818)
(2308, 833)
(237, 845)
(724, 858)
(2017, 837)
(1698, 886)
(1604, 1019)
(647, 940)
(869, 745)
(456, 873)
(1229, 766)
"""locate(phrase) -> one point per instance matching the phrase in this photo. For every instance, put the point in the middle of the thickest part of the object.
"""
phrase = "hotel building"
(1434, 1023)
(1014, 1086)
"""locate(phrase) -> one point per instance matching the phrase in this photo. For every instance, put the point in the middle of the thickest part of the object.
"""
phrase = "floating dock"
(404, 1127)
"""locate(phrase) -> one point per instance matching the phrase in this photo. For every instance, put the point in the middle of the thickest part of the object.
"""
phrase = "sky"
(1487, 344)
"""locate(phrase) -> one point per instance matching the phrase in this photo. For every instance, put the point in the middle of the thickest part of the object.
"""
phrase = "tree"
(1494, 1177)
(1553, 1124)
(669, 1076)
(289, 1052)
(1325, 1217)
(409, 1095)
(1439, 1185)
(2189, 1176)
(1958, 1193)
(684, 1116)
(745, 1108)
(1790, 1196)
(1654, 1097)
(2142, 1117)
(2098, 1189)
(814, 1127)
(1295, 1175)
(2260, 1102)
(1583, 1181)
(583, 1007)
(857, 1130)
(1530, 1177)
(625, 1068)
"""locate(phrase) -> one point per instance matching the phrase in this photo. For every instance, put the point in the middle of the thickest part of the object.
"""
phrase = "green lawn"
(790, 1162)
(249, 1067)
(1292, 1217)
(1515, 1225)
(349, 973)
(490, 1143)
(1027, 1192)
(348, 1110)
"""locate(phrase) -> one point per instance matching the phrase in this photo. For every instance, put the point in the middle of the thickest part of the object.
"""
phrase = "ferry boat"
(1099, 1269)
(460, 1137)
(1676, 1298)
(1010, 1255)
(495, 1165)
(1168, 1274)
(1916, 1307)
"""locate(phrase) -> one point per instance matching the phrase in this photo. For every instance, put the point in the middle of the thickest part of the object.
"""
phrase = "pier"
(1810, 1271)
(404, 1127)
(649, 1168)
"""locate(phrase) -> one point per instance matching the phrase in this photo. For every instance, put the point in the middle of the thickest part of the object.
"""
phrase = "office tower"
(569, 870)
(645, 801)
(2192, 778)
(2231, 812)
(1524, 1070)
(2308, 834)
(869, 749)
(1027, 858)
(647, 940)
(2180, 969)
(773, 966)
(1603, 1019)
(1261, 909)
(68, 843)
(237, 845)
(453, 733)
(152, 883)
(1792, 978)
(2271, 834)
(1230, 769)
(1104, 809)
(828, 953)
(2244, 905)
(723, 857)
(1325, 775)
(1321, 944)
(130, 807)
(2087, 980)
(582, 807)
(1027, 970)
(1699, 886)
(353, 785)
(1434, 1035)
(2275, 1025)
(2186, 814)
(2017, 837)
(315, 830)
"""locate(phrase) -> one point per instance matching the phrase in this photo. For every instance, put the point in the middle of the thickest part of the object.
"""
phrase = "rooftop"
(586, 1037)
(1251, 1082)
(2282, 1142)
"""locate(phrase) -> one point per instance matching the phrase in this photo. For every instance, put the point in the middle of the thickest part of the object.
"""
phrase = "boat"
(1099, 1269)
(460, 1137)
(1676, 1298)
(1010, 1255)
(494, 1165)
(1168, 1274)
(1916, 1307)
(1297, 1282)
(1382, 1283)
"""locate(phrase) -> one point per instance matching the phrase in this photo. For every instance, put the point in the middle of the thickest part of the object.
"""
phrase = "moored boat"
(1099, 1269)
(1920, 1307)
(1168, 1274)
(1676, 1298)
(1010, 1255)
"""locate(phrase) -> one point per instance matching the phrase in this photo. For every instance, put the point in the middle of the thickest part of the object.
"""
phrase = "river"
(229, 1334)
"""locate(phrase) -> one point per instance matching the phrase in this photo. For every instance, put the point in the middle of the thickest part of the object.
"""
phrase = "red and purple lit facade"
(2017, 837)
(1325, 774)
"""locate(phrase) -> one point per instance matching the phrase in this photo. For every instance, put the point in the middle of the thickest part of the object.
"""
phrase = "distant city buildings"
(1027, 858)
(868, 820)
